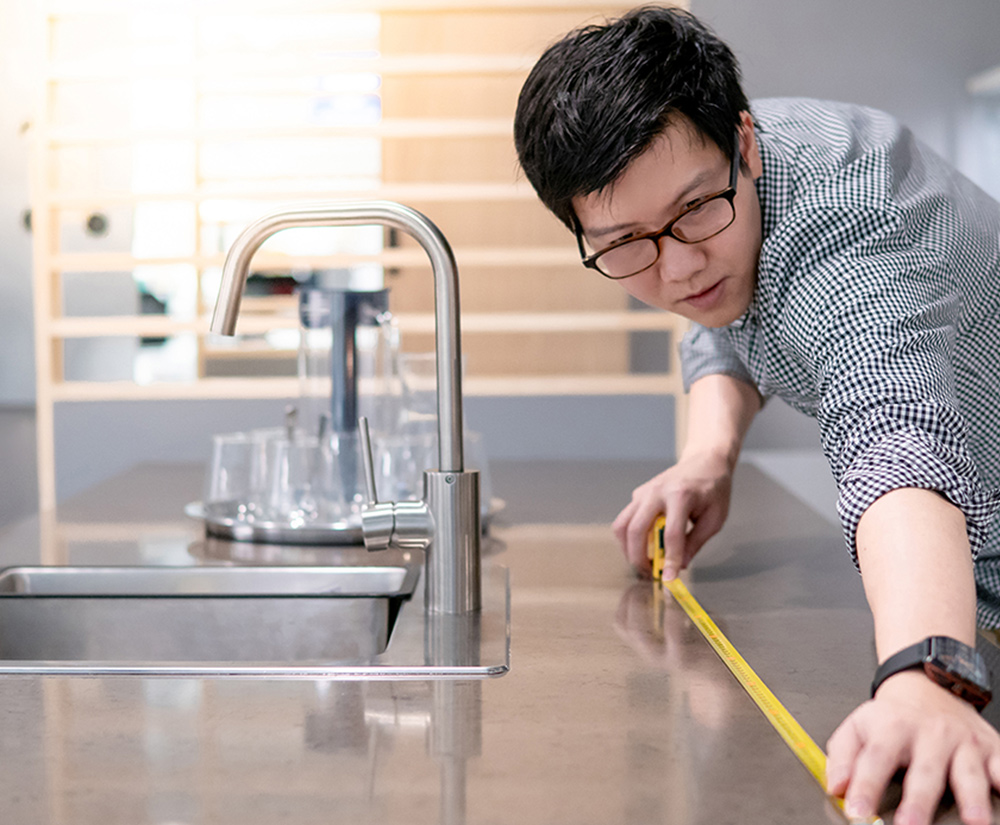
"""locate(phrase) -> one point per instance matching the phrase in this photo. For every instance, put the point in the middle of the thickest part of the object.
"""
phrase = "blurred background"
(137, 139)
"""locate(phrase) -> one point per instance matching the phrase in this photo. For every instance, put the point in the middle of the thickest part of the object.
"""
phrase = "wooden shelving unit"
(447, 77)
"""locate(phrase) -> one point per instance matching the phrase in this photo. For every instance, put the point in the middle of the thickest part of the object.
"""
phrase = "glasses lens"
(629, 258)
(704, 221)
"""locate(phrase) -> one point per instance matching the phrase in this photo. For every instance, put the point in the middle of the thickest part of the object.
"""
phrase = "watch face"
(959, 668)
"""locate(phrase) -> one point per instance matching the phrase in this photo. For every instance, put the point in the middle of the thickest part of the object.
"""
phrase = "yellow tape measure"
(794, 735)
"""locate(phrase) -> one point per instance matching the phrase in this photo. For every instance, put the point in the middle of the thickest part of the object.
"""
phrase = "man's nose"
(679, 261)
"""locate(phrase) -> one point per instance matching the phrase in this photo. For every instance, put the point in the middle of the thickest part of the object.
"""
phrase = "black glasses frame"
(729, 194)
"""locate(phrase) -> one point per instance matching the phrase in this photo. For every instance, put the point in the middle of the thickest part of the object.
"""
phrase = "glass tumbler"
(232, 486)
(292, 497)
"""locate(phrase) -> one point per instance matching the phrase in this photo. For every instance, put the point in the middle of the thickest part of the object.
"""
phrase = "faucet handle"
(408, 524)
(378, 521)
(367, 461)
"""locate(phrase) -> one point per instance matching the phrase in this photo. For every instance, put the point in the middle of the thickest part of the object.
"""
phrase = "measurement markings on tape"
(787, 727)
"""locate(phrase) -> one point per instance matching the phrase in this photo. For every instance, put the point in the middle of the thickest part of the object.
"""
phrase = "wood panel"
(449, 73)
(487, 223)
(514, 289)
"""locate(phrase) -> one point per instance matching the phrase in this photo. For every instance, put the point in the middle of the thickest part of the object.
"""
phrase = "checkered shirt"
(876, 311)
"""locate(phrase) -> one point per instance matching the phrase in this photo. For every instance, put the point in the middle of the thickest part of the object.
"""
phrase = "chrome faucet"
(447, 522)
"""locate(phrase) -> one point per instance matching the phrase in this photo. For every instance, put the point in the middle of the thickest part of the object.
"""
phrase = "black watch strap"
(953, 665)
(907, 659)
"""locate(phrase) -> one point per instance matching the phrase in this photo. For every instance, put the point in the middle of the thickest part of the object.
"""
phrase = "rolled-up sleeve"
(706, 351)
(914, 457)
(889, 414)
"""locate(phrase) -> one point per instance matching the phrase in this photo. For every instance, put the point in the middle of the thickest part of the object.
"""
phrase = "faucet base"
(453, 559)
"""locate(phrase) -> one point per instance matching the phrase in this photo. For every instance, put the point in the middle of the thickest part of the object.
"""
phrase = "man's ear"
(749, 150)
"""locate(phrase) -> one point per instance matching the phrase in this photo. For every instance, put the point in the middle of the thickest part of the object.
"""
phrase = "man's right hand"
(693, 496)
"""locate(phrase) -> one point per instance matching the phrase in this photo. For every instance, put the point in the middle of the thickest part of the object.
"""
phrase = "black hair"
(600, 96)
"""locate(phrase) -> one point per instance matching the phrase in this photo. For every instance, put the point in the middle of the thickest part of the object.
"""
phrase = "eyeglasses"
(703, 219)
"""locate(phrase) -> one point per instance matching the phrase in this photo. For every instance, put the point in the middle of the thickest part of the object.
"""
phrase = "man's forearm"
(720, 410)
(913, 550)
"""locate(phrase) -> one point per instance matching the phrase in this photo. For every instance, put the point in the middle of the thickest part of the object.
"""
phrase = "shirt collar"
(770, 210)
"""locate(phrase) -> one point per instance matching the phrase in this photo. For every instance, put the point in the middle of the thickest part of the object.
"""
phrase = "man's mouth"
(705, 298)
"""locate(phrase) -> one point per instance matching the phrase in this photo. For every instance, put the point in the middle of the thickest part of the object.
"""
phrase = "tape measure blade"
(793, 734)
(811, 755)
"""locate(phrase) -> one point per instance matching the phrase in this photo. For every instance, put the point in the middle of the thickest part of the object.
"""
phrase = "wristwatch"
(953, 665)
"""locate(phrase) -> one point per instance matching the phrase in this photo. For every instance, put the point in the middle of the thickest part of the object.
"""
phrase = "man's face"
(710, 282)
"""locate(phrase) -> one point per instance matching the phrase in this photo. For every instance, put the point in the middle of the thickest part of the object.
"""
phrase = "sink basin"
(123, 615)
(274, 621)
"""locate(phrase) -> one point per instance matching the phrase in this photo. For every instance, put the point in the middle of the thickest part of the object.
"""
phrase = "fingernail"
(904, 816)
(669, 574)
(978, 813)
(857, 808)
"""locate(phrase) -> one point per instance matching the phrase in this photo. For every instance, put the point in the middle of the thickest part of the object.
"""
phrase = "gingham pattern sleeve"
(705, 351)
(883, 349)
(877, 311)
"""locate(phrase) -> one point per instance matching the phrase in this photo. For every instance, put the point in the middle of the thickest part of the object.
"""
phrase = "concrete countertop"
(615, 709)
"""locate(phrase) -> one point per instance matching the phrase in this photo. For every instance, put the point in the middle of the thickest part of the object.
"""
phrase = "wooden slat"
(257, 351)
(263, 388)
(290, 65)
(403, 192)
(487, 257)
(551, 322)
(154, 326)
(410, 128)
(74, 8)
(205, 388)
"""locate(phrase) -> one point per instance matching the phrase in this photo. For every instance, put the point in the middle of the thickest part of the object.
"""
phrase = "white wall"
(20, 67)
(908, 57)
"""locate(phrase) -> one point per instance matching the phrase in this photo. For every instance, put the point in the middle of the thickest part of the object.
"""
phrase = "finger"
(705, 526)
(620, 524)
(873, 767)
(924, 783)
(971, 785)
(993, 768)
(637, 533)
(842, 749)
(674, 537)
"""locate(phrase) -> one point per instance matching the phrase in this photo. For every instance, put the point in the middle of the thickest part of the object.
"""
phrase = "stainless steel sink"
(329, 622)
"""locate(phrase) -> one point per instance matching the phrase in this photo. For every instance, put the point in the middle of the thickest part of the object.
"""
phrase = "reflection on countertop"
(614, 711)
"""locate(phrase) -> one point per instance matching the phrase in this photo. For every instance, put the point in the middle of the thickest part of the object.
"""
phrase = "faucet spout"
(450, 512)
(446, 301)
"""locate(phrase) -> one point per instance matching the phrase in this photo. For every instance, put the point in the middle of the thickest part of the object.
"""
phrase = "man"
(826, 257)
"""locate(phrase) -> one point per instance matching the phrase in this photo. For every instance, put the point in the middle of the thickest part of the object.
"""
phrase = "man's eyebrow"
(696, 182)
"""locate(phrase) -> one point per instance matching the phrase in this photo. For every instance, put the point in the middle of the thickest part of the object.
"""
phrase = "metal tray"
(223, 523)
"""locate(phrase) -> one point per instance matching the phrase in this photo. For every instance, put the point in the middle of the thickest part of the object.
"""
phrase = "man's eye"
(624, 238)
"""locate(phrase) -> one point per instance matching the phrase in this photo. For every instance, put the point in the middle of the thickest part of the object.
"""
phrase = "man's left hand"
(940, 739)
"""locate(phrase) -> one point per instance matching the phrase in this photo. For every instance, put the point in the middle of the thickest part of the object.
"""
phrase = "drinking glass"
(230, 485)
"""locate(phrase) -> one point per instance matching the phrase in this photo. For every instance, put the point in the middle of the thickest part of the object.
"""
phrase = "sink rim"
(404, 658)
(91, 576)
